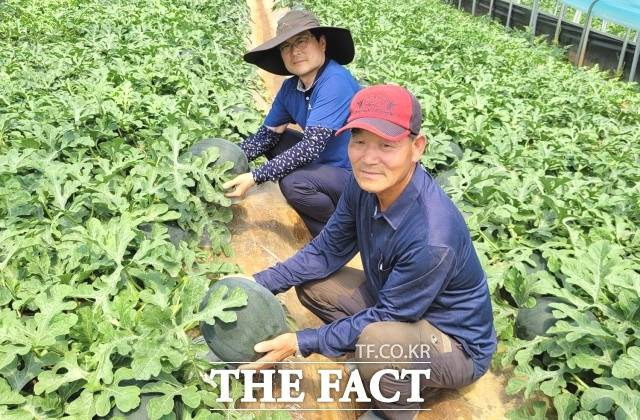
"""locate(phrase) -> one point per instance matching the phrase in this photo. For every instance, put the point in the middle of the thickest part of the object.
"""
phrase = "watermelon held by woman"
(228, 152)
(262, 318)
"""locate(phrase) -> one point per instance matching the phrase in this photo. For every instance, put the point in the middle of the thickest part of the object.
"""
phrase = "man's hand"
(242, 183)
(277, 350)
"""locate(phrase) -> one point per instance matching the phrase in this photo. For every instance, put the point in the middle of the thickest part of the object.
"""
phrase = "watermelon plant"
(549, 180)
(99, 105)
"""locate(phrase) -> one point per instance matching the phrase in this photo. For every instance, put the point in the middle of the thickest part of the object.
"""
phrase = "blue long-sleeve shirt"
(419, 263)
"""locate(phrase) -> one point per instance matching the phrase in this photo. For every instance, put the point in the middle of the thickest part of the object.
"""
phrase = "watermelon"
(208, 356)
(539, 264)
(140, 412)
(455, 150)
(175, 232)
(261, 319)
(532, 322)
(228, 152)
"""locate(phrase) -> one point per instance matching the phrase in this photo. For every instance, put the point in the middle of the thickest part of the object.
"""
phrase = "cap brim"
(382, 128)
(267, 56)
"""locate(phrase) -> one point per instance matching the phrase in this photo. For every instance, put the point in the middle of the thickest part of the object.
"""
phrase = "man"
(311, 167)
(422, 285)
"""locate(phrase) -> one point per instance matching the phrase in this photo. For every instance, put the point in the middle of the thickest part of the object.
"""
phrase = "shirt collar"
(302, 89)
(398, 209)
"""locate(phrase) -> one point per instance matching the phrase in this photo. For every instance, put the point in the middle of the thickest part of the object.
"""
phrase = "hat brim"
(267, 56)
(382, 128)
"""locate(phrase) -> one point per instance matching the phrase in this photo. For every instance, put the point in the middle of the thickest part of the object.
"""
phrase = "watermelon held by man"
(261, 319)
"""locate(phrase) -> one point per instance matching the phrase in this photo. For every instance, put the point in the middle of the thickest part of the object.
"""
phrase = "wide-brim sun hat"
(267, 55)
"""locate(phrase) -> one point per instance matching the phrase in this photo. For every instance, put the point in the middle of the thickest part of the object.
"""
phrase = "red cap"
(388, 111)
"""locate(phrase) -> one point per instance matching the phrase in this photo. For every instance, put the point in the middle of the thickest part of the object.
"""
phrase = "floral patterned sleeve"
(302, 153)
(258, 143)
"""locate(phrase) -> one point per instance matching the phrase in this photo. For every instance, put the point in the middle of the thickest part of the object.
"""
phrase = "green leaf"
(566, 404)
(126, 397)
(149, 354)
(8, 396)
(31, 367)
(50, 380)
(628, 365)
(219, 305)
(603, 399)
(587, 415)
(83, 407)
(536, 410)
(163, 405)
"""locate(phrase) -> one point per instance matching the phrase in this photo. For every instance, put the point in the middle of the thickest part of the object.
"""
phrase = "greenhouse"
(612, 47)
(208, 209)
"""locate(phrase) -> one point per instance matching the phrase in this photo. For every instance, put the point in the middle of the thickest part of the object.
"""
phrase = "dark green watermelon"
(228, 152)
(261, 319)
(177, 234)
(539, 264)
(140, 412)
(455, 150)
(532, 322)
(208, 356)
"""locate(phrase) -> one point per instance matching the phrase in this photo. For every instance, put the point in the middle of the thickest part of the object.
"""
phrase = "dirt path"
(263, 27)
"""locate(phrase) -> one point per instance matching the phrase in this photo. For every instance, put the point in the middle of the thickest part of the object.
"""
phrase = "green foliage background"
(99, 101)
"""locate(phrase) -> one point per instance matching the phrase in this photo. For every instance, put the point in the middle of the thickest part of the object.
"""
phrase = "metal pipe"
(533, 22)
(584, 39)
(636, 55)
(509, 14)
(459, 4)
(577, 16)
(473, 8)
(623, 53)
(491, 8)
(556, 36)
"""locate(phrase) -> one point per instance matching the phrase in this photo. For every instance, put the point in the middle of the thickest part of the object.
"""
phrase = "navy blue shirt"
(419, 263)
(325, 104)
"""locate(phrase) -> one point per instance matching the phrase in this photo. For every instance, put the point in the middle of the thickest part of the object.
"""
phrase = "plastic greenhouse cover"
(624, 12)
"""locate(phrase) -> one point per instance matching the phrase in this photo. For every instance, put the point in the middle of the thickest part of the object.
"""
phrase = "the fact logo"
(330, 379)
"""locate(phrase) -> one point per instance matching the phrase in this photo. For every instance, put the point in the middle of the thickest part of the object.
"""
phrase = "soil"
(263, 24)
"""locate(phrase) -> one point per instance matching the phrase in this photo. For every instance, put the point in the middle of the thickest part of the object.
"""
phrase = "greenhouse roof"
(624, 12)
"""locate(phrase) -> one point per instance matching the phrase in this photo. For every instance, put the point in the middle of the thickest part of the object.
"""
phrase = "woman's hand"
(241, 184)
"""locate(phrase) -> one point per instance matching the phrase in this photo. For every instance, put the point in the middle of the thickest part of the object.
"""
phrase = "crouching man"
(422, 297)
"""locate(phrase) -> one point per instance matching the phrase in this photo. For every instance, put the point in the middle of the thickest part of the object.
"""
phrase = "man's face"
(381, 166)
(303, 53)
